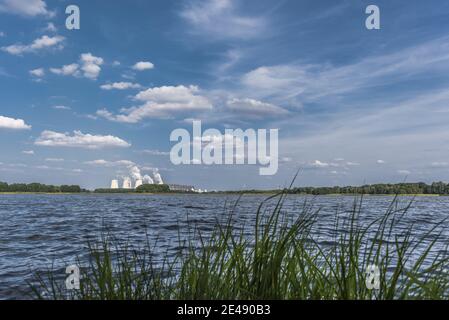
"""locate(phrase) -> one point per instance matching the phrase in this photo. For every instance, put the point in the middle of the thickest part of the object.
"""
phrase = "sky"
(352, 105)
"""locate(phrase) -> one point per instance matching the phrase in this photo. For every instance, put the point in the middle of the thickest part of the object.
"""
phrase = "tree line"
(381, 188)
(439, 188)
(39, 188)
(145, 188)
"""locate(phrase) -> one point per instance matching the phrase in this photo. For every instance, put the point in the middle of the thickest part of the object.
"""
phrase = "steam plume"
(157, 177)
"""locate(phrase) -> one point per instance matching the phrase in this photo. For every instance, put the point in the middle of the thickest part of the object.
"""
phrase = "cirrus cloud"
(30, 8)
(255, 108)
(220, 19)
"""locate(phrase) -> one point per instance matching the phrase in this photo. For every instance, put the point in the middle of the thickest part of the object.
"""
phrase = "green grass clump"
(283, 259)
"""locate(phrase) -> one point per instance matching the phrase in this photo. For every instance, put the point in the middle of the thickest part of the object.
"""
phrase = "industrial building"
(127, 184)
(114, 184)
(181, 188)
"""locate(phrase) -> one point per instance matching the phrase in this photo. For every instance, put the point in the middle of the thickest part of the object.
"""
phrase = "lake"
(37, 231)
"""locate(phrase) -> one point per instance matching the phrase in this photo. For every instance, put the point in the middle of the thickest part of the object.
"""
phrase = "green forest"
(38, 188)
(145, 188)
(382, 188)
(439, 188)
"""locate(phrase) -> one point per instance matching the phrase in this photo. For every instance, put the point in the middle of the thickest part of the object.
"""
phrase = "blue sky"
(352, 105)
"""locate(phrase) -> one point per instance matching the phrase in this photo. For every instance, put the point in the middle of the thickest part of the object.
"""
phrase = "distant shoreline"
(417, 189)
(221, 193)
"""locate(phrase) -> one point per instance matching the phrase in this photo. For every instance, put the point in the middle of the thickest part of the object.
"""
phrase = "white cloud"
(11, 123)
(79, 140)
(404, 172)
(18, 165)
(104, 113)
(50, 27)
(54, 160)
(46, 41)
(439, 164)
(120, 86)
(89, 66)
(143, 65)
(380, 161)
(129, 75)
(67, 70)
(161, 102)
(297, 83)
(337, 164)
(96, 162)
(167, 94)
(91, 117)
(319, 164)
(43, 42)
(273, 76)
(29, 8)
(255, 108)
(28, 152)
(39, 72)
(2, 34)
(124, 163)
(45, 168)
(105, 163)
(61, 107)
(231, 58)
(156, 152)
(221, 19)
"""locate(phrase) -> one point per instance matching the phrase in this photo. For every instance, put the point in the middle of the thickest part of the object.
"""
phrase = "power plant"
(138, 183)
(114, 184)
(127, 184)
(135, 180)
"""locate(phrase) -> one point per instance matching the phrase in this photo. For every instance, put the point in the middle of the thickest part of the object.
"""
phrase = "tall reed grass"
(283, 259)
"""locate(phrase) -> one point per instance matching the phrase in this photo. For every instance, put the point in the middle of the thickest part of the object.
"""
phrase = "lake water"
(39, 230)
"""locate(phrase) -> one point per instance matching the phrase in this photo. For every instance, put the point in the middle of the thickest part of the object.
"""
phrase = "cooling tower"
(147, 179)
(157, 178)
(138, 183)
(127, 183)
(114, 184)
